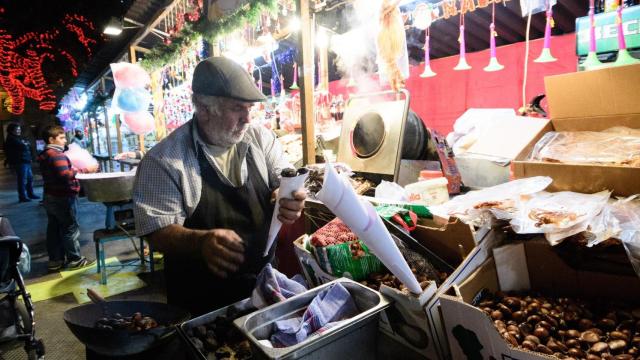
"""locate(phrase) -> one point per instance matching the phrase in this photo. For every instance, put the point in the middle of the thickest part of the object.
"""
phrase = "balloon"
(127, 75)
(79, 157)
(132, 99)
(140, 122)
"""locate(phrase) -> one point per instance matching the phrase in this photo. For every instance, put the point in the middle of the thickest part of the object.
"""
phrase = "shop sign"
(607, 31)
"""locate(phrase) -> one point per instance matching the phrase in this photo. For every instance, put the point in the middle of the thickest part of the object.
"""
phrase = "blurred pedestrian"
(18, 157)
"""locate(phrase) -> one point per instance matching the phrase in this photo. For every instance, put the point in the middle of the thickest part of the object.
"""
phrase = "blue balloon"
(133, 99)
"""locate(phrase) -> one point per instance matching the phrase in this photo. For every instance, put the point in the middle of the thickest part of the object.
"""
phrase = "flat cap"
(219, 76)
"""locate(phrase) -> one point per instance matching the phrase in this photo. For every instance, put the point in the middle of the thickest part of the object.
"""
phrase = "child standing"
(60, 201)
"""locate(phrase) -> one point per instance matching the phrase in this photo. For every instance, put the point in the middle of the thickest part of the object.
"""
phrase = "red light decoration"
(21, 75)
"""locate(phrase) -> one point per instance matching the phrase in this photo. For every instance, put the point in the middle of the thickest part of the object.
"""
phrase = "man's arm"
(222, 249)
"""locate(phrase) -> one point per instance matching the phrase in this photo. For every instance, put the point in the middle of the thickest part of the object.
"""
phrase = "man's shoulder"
(258, 134)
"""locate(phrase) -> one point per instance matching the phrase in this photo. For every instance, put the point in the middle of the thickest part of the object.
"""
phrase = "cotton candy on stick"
(288, 184)
(360, 216)
(80, 158)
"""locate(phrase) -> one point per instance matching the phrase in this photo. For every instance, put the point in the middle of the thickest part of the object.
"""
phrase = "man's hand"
(125, 155)
(223, 251)
(291, 209)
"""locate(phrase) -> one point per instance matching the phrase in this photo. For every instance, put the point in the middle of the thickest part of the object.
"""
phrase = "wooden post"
(306, 59)
(107, 127)
(133, 60)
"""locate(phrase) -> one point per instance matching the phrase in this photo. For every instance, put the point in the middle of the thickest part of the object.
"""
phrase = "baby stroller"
(16, 315)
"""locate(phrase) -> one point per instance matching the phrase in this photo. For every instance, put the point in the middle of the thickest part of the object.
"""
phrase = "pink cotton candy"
(140, 122)
(80, 158)
(126, 75)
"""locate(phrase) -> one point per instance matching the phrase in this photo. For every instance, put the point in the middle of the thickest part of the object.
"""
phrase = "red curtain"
(440, 100)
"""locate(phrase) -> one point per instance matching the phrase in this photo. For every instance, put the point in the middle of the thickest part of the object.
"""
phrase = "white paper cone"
(287, 186)
(377, 238)
(342, 200)
(361, 217)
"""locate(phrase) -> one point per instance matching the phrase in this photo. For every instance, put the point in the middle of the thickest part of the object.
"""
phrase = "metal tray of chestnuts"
(213, 336)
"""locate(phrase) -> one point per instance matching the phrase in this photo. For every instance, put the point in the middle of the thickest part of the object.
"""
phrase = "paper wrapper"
(362, 219)
(287, 186)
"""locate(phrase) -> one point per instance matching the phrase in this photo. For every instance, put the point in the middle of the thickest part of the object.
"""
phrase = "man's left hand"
(291, 209)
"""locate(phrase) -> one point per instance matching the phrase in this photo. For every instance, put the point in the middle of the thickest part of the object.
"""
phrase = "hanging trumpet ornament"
(592, 61)
(624, 58)
(462, 63)
(494, 65)
(294, 86)
(427, 64)
(545, 55)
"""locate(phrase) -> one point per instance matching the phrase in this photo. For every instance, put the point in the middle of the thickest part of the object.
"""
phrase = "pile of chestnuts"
(564, 327)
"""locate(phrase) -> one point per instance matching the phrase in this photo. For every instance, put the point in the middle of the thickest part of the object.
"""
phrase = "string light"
(22, 76)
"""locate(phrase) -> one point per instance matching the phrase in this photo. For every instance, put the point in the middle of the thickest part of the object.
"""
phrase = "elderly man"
(203, 194)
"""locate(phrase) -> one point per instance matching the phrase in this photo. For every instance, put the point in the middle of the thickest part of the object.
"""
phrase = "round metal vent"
(368, 135)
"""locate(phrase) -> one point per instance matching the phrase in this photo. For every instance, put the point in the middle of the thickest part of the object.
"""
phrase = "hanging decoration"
(391, 45)
(132, 98)
(427, 62)
(422, 16)
(494, 65)
(164, 54)
(624, 58)
(592, 61)
(545, 55)
(462, 63)
(23, 77)
(295, 86)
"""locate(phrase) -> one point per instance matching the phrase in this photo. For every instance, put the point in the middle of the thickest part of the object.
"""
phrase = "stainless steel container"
(108, 187)
(184, 328)
(354, 338)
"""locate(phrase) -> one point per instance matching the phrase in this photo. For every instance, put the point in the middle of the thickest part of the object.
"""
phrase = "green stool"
(103, 236)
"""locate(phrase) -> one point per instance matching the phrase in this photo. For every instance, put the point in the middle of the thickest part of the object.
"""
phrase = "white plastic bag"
(478, 207)
(388, 190)
(627, 211)
(558, 215)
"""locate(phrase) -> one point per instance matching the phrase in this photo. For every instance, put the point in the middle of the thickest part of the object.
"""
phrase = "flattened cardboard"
(506, 141)
(589, 101)
(471, 331)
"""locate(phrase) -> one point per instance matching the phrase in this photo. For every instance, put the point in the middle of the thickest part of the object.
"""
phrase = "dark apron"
(247, 210)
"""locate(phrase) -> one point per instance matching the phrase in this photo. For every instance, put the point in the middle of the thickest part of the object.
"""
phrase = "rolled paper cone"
(339, 197)
(287, 186)
(377, 238)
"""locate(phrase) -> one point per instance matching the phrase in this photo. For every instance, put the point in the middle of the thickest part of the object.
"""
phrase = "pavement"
(29, 221)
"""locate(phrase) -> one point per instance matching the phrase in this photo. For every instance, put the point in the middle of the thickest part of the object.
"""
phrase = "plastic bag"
(627, 211)
(478, 207)
(24, 264)
(390, 191)
(558, 215)
(615, 146)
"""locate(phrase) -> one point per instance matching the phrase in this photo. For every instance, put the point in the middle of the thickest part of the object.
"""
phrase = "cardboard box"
(486, 162)
(532, 264)
(594, 101)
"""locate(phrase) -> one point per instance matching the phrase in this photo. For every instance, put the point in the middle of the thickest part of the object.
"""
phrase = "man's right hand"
(223, 251)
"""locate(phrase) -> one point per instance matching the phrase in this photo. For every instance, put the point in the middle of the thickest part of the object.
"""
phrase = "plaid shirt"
(58, 174)
(168, 183)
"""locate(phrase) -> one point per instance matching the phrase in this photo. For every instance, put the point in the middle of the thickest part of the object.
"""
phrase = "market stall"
(482, 243)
